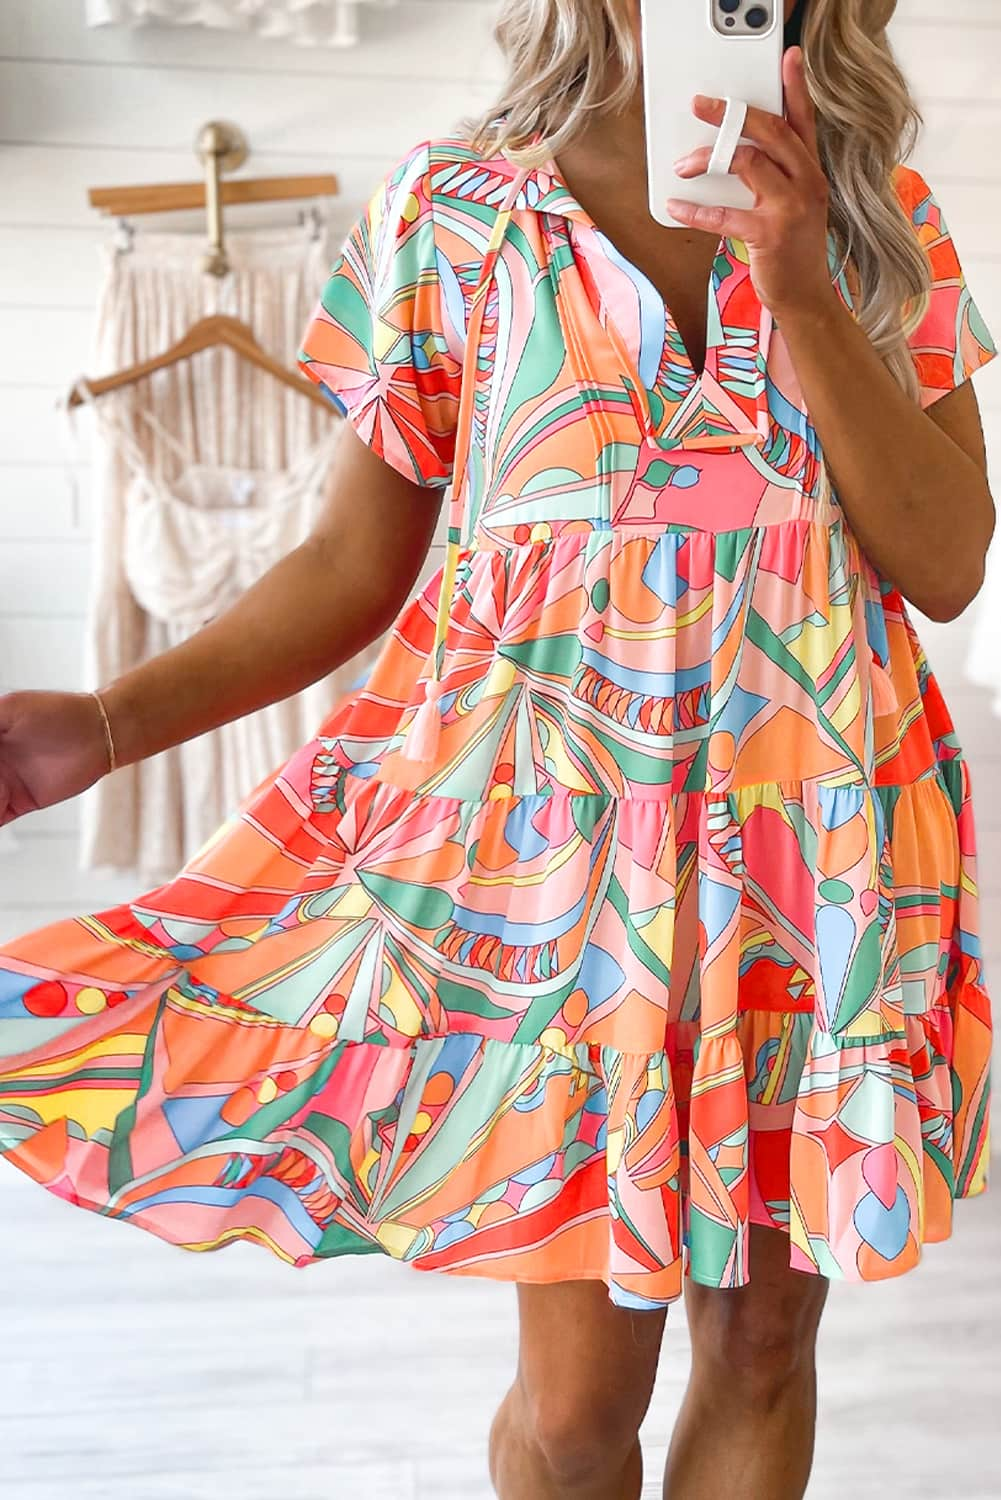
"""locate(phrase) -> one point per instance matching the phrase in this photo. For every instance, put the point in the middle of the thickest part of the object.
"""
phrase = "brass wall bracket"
(221, 147)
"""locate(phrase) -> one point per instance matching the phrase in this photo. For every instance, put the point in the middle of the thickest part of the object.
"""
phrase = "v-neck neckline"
(673, 343)
(723, 406)
(673, 346)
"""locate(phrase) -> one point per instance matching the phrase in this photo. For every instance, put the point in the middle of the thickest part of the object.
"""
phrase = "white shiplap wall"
(81, 107)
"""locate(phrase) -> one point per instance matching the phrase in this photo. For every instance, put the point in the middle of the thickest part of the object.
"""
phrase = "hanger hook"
(313, 220)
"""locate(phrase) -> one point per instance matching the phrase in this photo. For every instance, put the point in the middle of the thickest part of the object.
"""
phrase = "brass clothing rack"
(221, 147)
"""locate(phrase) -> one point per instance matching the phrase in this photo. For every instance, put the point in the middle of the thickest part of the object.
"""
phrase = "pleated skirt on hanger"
(175, 442)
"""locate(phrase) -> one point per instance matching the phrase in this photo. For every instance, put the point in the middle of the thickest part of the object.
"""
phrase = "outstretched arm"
(315, 608)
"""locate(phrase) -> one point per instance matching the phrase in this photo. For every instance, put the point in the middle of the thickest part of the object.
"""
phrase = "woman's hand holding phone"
(786, 230)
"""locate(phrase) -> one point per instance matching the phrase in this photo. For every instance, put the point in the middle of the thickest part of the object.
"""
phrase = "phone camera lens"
(757, 16)
(726, 6)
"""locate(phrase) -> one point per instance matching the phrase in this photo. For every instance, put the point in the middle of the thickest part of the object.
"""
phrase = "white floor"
(133, 1370)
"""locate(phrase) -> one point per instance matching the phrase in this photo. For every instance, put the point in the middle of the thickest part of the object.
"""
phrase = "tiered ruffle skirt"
(677, 934)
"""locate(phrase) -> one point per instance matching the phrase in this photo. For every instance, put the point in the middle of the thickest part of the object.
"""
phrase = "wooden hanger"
(208, 333)
(169, 197)
(222, 147)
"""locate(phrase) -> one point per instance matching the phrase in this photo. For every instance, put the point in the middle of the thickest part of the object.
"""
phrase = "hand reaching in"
(52, 747)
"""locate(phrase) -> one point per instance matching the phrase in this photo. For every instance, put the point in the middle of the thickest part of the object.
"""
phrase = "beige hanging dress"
(205, 474)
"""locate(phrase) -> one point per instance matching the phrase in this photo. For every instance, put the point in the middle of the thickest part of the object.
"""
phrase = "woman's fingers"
(790, 143)
(765, 180)
(749, 163)
(800, 111)
(781, 165)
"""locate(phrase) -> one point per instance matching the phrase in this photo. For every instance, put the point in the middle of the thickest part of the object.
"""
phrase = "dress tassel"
(425, 728)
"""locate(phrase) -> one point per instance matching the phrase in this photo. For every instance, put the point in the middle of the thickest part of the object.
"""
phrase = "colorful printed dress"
(632, 900)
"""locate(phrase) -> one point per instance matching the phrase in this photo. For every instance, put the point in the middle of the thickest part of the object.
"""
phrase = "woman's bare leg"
(747, 1425)
(568, 1427)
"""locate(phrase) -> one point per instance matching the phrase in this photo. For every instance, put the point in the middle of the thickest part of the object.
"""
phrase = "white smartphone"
(718, 47)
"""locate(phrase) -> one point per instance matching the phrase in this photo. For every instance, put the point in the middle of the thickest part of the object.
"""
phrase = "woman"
(624, 924)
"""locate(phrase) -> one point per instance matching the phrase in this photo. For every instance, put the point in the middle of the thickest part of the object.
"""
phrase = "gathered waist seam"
(833, 523)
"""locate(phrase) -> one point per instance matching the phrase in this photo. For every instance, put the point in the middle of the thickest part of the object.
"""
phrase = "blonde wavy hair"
(570, 58)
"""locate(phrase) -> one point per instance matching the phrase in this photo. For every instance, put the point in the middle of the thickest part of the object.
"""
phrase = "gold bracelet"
(107, 730)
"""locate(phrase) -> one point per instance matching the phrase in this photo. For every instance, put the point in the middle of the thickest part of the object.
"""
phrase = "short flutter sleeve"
(377, 344)
(952, 339)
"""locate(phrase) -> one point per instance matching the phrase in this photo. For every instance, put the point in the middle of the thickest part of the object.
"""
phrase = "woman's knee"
(586, 1371)
(761, 1336)
(582, 1435)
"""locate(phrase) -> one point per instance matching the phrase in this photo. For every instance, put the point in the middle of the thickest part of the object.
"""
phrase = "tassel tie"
(425, 729)
(885, 702)
(421, 741)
